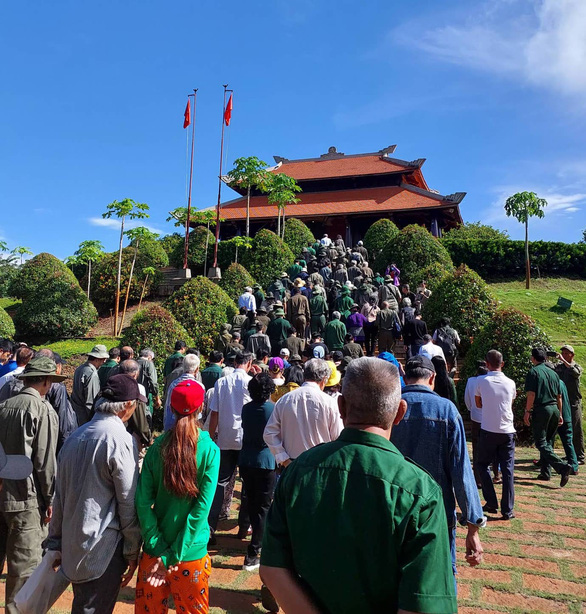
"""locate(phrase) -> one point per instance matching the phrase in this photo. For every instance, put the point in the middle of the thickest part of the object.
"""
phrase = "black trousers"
(260, 485)
(501, 446)
(228, 464)
(370, 335)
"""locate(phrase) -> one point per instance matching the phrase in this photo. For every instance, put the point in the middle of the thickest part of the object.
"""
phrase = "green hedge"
(492, 259)
(433, 274)
(377, 236)
(7, 329)
(234, 279)
(297, 236)
(196, 252)
(8, 272)
(466, 299)
(201, 307)
(268, 257)
(514, 334)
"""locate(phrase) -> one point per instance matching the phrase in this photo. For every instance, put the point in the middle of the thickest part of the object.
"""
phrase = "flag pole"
(215, 265)
(190, 181)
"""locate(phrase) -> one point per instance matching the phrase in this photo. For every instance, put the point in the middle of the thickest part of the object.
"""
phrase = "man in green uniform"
(544, 401)
(180, 349)
(335, 333)
(355, 526)
(259, 295)
(570, 372)
(344, 303)
(278, 331)
(29, 426)
(319, 310)
(104, 370)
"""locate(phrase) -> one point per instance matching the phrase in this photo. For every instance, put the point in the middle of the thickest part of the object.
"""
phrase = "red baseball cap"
(187, 397)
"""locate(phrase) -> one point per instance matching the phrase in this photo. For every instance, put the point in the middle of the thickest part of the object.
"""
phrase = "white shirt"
(9, 376)
(430, 350)
(248, 301)
(302, 419)
(230, 395)
(326, 241)
(497, 392)
(470, 401)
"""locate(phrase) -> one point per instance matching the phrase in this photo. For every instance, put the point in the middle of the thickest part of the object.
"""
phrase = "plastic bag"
(43, 588)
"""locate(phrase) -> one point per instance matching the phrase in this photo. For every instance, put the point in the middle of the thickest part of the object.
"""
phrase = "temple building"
(345, 194)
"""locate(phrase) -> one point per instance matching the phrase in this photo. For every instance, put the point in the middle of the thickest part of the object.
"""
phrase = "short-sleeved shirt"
(364, 528)
(545, 383)
(497, 392)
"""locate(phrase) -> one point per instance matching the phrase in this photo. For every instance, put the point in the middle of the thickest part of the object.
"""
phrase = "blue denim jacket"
(432, 434)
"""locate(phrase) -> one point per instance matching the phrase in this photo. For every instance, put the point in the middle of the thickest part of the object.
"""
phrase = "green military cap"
(99, 351)
(42, 367)
(256, 287)
(278, 312)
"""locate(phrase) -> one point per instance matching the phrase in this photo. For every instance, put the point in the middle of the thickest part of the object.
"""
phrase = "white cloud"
(542, 42)
(114, 224)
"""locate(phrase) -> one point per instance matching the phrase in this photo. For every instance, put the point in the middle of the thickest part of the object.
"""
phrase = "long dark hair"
(179, 462)
(443, 383)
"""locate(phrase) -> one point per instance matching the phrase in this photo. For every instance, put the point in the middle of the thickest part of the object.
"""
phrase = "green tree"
(87, 253)
(476, 230)
(281, 190)
(522, 206)
(21, 251)
(249, 173)
(3, 246)
(123, 209)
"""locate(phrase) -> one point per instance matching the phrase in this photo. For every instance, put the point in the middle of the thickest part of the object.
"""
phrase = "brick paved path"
(534, 563)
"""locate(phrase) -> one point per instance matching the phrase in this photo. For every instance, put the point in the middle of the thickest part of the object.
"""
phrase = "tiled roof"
(369, 200)
(340, 167)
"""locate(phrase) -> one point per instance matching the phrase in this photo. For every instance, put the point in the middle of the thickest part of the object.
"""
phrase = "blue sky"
(92, 95)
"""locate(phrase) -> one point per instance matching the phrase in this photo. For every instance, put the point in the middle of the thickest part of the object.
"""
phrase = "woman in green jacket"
(173, 499)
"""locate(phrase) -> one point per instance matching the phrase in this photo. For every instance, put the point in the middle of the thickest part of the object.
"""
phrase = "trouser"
(300, 323)
(370, 333)
(99, 596)
(189, 586)
(567, 439)
(501, 446)
(545, 424)
(228, 464)
(386, 340)
(475, 436)
(260, 485)
(21, 536)
(578, 433)
(318, 324)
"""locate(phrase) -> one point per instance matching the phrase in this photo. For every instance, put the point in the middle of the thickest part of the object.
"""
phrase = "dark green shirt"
(169, 362)
(104, 371)
(334, 334)
(278, 331)
(545, 383)
(364, 528)
(210, 375)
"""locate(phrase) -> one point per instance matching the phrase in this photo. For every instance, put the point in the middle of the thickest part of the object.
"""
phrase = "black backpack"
(446, 341)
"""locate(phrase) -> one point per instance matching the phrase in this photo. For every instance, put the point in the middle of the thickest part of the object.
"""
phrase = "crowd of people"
(353, 465)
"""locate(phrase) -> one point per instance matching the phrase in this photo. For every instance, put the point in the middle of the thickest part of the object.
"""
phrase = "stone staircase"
(172, 280)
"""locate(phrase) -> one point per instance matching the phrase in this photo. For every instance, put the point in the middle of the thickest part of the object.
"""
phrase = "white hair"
(191, 363)
(110, 407)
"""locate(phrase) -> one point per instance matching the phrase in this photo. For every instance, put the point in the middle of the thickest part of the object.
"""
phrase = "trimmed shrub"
(297, 236)
(412, 250)
(234, 279)
(378, 235)
(153, 252)
(155, 328)
(8, 272)
(514, 334)
(494, 259)
(475, 230)
(54, 305)
(267, 258)
(433, 275)
(7, 329)
(201, 307)
(196, 253)
(466, 299)
(170, 242)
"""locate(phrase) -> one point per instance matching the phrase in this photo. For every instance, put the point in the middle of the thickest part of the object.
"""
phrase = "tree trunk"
(278, 221)
(205, 258)
(236, 256)
(248, 214)
(89, 276)
(527, 264)
(128, 287)
(117, 299)
(283, 223)
(143, 291)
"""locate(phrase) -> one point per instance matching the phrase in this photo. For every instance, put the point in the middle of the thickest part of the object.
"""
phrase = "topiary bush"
(514, 334)
(433, 275)
(155, 328)
(234, 279)
(267, 258)
(412, 250)
(53, 303)
(297, 236)
(7, 329)
(196, 254)
(378, 235)
(201, 307)
(8, 272)
(466, 299)
(170, 242)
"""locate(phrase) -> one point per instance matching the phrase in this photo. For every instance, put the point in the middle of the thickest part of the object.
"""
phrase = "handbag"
(43, 588)
(397, 329)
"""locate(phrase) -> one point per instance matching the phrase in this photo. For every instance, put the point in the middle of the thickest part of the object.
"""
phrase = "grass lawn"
(74, 347)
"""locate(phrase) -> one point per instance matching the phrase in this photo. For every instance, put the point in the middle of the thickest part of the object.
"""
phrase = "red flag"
(228, 111)
(187, 115)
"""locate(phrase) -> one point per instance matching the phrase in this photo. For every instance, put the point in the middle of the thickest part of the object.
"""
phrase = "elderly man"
(335, 332)
(304, 417)
(570, 372)
(432, 434)
(150, 380)
(298, 311)
(387, 321)
(94, 523)
(29, 427)
(138, 424)
(359, 495)
(86, 383)
(259, 340)
(278, 330)
(247, 300)
(429, 349)
(190, 367)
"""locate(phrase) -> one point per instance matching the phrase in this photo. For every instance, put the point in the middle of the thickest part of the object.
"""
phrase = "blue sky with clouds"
(92, 95)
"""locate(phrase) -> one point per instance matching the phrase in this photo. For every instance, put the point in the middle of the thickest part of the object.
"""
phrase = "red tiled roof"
(319, 204)
(340, 167)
